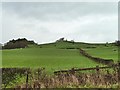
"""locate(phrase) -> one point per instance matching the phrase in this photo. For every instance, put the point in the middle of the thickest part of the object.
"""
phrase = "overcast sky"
(47, 22)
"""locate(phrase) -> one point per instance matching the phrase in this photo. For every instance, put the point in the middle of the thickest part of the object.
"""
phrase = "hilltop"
(61, 43)
(65, 44)
(61, 54)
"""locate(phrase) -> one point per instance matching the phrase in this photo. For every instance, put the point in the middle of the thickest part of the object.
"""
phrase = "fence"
(40, 79)
(97, 68)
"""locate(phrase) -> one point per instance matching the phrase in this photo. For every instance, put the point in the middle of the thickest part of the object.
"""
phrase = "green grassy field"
(50, 58)
(110, 52)
(57, 56)
(0, 58)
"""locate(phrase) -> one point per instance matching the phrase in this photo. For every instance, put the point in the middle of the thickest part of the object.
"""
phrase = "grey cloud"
(45, 22)
(119, 20)
(59, 11)
(0, 22)
(60, 0)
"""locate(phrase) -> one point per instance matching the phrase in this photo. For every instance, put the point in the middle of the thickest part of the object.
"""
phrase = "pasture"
(0, 58)
(57, 56)
(110, 52)
(50, 58)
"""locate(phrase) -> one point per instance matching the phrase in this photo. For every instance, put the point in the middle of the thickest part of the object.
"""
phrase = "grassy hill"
(69, 45)
(57, 55)
(51, 59)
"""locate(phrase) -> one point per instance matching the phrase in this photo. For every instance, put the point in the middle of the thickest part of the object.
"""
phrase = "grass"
(50, 58)
(55, 56)
(68, 44)
(18, 81)
(110, 52)
(0, 58)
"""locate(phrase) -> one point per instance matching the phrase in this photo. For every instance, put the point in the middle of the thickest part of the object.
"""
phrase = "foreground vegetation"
(38, 78)
(42, 60)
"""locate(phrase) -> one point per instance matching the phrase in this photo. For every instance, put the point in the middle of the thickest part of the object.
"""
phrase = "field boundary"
(108, 62)
(97, 68)
(62, 77)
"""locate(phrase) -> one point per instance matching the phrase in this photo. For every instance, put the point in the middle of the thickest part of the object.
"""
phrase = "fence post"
(26, 79)
(39, 73)
(97, 69)
(73, 71)
(119, 74)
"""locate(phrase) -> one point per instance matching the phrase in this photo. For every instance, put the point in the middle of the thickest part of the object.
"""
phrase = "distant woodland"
(19, 43)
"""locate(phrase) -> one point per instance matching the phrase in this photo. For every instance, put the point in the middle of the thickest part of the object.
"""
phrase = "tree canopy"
(19, 43)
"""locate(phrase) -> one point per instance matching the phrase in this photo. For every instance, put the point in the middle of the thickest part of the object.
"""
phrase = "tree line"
(19, 43)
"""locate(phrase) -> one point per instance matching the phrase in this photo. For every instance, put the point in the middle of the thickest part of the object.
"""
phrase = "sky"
(59, 0)
(0, 22)
(44, 22)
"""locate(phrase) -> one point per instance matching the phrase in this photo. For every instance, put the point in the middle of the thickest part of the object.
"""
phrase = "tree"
(0, 46)
(117, 42)
(72, 41)
(19, 43)
(61, 39)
